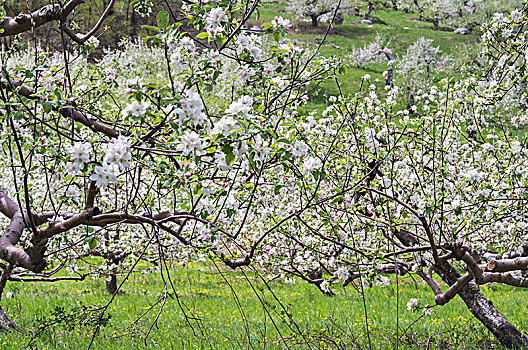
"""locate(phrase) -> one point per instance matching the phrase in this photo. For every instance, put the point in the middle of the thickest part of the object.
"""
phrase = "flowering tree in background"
(206, 154)
(373, 52)
(315, 8)
(438, 10)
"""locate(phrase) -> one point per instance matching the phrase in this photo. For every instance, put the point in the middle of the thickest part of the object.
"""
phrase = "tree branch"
(8, 250)
(24, 21)
(82, 39)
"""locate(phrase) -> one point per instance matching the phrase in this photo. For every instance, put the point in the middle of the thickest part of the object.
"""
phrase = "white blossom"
(342, 273)
(299, 149)
(191, 144)
(311, 164)
(136, 108)
(105, 175)
(215, 18)
(412, 304)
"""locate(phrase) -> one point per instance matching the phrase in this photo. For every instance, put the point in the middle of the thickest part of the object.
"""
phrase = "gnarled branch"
(25, 21)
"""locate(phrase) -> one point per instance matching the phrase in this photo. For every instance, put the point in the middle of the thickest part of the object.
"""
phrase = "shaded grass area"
(220, 309)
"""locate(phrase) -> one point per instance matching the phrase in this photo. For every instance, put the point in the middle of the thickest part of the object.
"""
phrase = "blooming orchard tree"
(127, 165)
(200, 150)
(421, 62)
(438, 10)
(373, 52)
(315, 8)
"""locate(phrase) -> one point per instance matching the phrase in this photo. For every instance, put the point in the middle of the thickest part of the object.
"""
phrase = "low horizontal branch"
(26, 21)
(48, 279)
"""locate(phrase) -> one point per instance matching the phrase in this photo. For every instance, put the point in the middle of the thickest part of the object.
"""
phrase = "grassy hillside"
(403, 29)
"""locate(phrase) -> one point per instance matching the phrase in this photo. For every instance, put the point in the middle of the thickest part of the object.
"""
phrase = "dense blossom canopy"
(209, 152)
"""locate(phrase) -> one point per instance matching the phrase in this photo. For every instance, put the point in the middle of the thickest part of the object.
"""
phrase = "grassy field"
(403, 30)
(221, 309)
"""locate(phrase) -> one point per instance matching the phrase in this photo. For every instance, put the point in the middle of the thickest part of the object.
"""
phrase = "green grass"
(215, 321)
(390, 24)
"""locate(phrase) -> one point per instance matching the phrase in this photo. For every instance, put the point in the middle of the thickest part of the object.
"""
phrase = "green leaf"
(230, 158)
(58, 94)
(18, 115)
(202, 35)
(163, 19)
(47, 106)
(338, 199)
(175, 26)
(202, 84)
(91, 241)
(319, 175)
(151, 28)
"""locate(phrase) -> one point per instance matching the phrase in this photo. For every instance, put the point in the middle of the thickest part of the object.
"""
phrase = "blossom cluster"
(116, 158)
(215, 18)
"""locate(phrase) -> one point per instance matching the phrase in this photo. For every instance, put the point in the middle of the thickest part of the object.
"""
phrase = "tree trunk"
(5, 322)
(370, 7)
(314, 20)
(484, 310)
(410, 103)
(111, 284)
(134, 23)
(419, 9)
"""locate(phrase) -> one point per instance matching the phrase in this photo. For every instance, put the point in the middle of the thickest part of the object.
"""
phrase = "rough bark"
(111, 284)
(484, 310)
(25, 21)
(370, 7)
(481, 308)
(314, 20)
(390, 70)
(134, 24)
(436, 21)
(5, 322)
(67, 110)
(8, 250)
